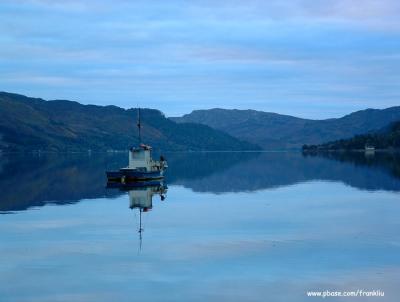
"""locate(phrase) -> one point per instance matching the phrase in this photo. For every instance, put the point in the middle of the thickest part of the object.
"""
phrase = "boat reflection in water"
(141, 197)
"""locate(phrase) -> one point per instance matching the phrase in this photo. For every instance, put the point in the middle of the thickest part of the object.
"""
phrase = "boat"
(141, 167)
(369, 149)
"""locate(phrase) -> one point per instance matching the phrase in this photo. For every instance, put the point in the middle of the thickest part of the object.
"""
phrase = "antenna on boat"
(139, 125)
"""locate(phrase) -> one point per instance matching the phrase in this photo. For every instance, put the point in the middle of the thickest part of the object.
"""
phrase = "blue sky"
(309, 58)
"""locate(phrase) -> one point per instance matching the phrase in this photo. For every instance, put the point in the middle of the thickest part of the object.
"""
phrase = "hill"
(276, 131)
(386, 138)
(35, 124)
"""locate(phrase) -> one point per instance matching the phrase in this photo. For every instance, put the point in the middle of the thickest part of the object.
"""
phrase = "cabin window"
(138, 155)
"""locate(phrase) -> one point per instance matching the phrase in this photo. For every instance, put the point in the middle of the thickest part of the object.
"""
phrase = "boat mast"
(139, 125)
(140, 229)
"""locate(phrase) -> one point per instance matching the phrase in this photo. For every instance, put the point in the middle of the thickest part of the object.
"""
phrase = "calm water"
(233, 227)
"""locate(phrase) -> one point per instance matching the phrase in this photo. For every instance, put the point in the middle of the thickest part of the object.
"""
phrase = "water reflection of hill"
(270, 170)
(386, 161)
(189, 166)
(32, 180)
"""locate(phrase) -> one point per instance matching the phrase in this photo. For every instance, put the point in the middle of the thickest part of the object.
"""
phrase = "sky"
(309, 58)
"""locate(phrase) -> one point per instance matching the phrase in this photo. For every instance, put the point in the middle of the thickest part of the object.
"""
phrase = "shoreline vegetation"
(338, 151)
(387, 139)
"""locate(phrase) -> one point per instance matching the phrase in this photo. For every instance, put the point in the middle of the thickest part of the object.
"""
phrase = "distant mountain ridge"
(276, 131)
(35, 124)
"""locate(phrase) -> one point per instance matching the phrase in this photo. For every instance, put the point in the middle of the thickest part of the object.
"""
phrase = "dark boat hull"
(134, 184)
(125, 175)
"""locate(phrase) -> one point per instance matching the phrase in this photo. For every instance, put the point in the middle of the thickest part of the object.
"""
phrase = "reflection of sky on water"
(249, 246)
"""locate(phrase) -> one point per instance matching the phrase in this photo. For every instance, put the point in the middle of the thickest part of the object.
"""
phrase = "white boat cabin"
(140, 159)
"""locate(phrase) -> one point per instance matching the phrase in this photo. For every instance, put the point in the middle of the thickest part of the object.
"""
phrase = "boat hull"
(134, 184)
(125, 175)
(140, 175)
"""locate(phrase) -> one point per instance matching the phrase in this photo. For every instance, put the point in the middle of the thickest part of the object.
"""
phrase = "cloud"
(177, 55)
